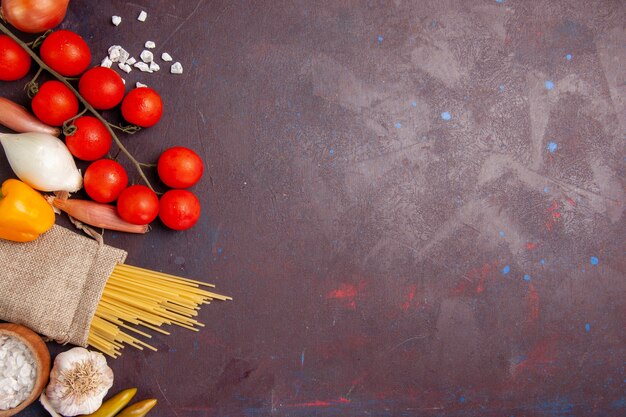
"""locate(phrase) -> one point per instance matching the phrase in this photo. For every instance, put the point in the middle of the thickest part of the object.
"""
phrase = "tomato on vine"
(179, 209)
(65, 52)
(142, 106)
(101, 87)
(138, 204)
(14, 61)
(91, 140)
(54, 103)
(180, 167)
(104, 180)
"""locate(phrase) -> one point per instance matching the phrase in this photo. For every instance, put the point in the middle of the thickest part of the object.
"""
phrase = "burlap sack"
(53, 285)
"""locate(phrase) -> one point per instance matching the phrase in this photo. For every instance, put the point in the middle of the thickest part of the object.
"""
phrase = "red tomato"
(179, 209)
(66, 53)
(54, 103)
(180, 167)
(138, 204)
(142, 107)
(104, 180)
(102, 87)
(91, 141)
(14, 61)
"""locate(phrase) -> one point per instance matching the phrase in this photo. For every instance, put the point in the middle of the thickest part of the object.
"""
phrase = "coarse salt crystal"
(146, 56)
(142, 16)
(17, 372)
(106, 62)
(154, 66)
(139, 85)
(150, 44)
(142, 66)
(131, 60)
(114, 53)
(125, 67)
(176, 68)
(166, 57)
(116, 20)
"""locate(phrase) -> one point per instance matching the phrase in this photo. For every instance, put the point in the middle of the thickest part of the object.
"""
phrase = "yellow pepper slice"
(139, 409)
(114, 404)
(24, 213)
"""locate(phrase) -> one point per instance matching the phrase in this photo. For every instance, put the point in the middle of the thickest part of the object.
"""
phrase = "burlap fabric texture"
(53, 284)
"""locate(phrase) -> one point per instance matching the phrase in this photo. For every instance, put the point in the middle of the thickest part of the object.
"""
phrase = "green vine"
(32, 86)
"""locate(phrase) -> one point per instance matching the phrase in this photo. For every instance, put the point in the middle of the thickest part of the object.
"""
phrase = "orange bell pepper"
(24, 213)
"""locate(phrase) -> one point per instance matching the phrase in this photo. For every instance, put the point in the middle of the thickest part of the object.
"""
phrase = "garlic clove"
(79, 380)
(42, 161)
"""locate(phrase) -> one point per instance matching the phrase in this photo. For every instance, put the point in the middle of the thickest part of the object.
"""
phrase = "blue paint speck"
(501, 88)
(398, 125)
(219, 250)
(446, 115)
(506, 270)
(594, 261)
(568, 57)
(552, 147)
(587, 327)
(501, 233)
(414, 103)
(331, 151)
(546, 189)
(542, 262)
(526, 277)
(302, 359)
(380, 38)
(462, 399)
(549, 85)
(500, 1)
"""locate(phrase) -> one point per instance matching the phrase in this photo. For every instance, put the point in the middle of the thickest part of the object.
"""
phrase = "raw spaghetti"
(134, 297)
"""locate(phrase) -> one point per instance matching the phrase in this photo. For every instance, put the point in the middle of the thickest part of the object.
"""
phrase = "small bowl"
(40, 353)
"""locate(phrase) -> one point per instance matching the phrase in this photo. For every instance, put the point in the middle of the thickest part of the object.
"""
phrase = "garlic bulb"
(42, 161)
(79, 380)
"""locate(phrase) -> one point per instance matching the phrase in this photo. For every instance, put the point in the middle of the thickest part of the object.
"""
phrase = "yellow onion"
(34, 16)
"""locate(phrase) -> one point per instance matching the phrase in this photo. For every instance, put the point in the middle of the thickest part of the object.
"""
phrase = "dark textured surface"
(386, 261)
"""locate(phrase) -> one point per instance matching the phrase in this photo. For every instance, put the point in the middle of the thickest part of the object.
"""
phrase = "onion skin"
(34, 16)
(41, 161)
(97, 215)
(18, 119)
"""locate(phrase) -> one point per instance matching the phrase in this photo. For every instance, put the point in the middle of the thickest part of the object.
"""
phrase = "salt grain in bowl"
(18, 372)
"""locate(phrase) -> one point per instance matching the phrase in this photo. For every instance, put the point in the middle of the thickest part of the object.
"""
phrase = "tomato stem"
(88, 106)
(69, 128)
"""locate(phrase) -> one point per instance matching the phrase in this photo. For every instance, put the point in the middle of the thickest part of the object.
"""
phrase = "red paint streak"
(533, 303)
(571, 202)
(554, 206)
(540, 359)
(476, 279)
(318, 403)
(405, 306)
(531, 245)
(346, 293)
(554, 215)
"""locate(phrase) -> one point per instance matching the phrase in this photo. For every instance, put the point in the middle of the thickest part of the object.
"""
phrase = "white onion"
(42, 161)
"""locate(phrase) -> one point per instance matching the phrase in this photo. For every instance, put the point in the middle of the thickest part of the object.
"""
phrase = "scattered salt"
(142, 66)
(154, 66)
(131, 60)
(142, 16)
(116, 20)
(106, 62)
(18, 372)
(125, 67)
(146, 56)
(150, 45)
(176, 68)
(139, 85)
(166, 57)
